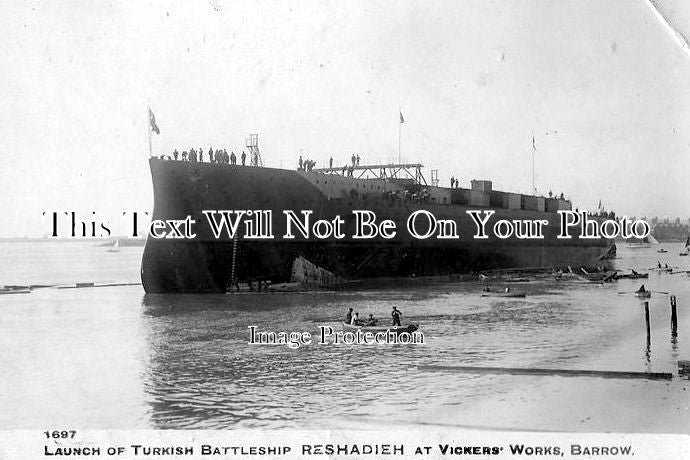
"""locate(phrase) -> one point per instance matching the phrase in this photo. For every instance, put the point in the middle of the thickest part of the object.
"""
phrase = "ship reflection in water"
(116, 358)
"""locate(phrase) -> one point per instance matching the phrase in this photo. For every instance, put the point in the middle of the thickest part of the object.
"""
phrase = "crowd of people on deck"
(352, 318)
(306, 165)
(220, 156)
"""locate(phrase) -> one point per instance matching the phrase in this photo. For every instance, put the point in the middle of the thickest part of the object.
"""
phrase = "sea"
(113, 357)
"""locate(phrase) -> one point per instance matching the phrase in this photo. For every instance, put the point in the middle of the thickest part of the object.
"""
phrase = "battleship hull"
(209, 264)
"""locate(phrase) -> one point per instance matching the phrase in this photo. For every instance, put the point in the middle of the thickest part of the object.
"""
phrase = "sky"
(600, 85)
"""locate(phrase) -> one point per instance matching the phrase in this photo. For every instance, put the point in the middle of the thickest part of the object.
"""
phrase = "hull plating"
(205, 264)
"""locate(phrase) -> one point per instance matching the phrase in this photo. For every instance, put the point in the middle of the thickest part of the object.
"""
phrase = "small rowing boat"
(374, 329)
(643, 294)
(503, 294)
(633, 276)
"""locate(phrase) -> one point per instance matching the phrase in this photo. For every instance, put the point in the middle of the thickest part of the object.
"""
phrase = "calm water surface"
(113, 357)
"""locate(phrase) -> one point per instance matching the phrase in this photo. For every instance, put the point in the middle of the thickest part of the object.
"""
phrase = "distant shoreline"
(124, 240)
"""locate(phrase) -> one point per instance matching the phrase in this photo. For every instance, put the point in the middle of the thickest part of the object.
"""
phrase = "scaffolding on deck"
(390, 171)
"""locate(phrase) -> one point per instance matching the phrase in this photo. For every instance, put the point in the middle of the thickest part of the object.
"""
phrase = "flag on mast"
(402, 120)
(152, 122)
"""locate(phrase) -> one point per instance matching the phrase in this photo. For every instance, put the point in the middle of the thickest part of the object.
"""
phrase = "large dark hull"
(205, 264)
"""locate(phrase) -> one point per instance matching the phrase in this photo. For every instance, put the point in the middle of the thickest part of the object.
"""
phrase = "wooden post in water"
(674, 316)
(649, 335)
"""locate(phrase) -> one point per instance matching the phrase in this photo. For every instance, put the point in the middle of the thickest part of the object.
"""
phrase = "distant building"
(670, 229)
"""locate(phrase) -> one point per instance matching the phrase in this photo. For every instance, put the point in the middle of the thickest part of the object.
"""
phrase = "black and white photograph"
(353, 229)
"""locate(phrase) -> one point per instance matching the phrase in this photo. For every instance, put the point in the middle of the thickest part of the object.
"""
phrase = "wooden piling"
(684, 368)
(648, 350)
(674, 315)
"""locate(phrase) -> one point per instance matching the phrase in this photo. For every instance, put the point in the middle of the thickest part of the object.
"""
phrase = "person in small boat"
(634, 272)
(348, 318)
(355, 320)
(658, 264)
(396, 315)
(371, 321)
(665, 265)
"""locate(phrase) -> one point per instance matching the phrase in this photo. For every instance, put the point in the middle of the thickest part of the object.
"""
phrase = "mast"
(148, 128)
(402, 120)
(534, 149)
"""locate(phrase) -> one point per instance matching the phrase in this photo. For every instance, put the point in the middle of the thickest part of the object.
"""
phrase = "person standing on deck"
(396, 315)
(348, 317)
(330, 163)
(244, 157)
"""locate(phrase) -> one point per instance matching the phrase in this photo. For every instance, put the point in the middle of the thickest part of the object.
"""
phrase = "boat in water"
(115, 247)
(376, 329)
(504, 294)
(392, 191)
(633, 275)
(643, 294)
